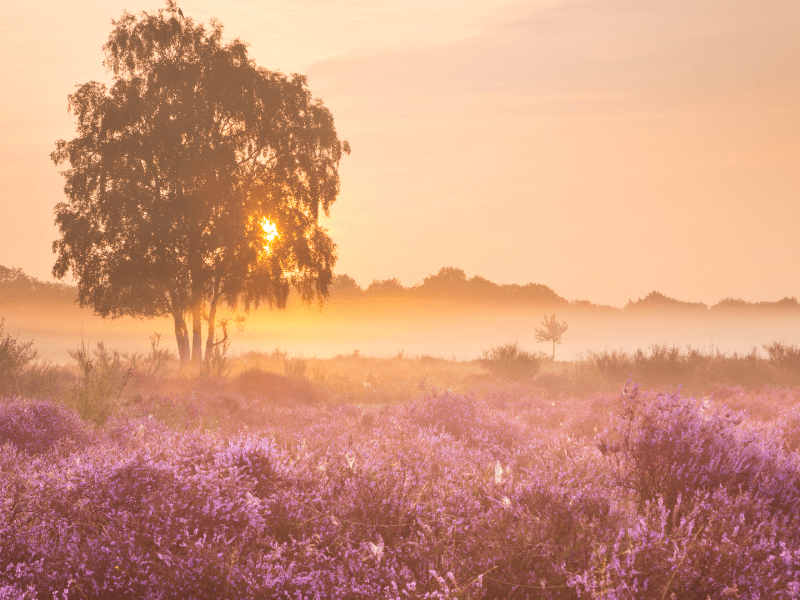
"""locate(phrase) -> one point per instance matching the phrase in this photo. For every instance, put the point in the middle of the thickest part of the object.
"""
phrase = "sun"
(270, 232)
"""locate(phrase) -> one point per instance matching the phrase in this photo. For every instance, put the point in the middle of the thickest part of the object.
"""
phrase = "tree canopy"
(196, 179)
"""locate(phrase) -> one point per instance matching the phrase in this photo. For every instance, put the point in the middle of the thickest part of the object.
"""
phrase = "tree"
(196, 180)
(345, 285)
(386, 287)
(447, 277)
(552, 332)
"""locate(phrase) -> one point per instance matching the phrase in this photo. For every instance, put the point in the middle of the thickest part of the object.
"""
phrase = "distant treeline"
(449, 284)
(658, 301)
(17, 287)
(453, 284)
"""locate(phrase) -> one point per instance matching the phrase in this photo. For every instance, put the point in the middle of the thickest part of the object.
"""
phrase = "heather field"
(359, 382)
(270, 476)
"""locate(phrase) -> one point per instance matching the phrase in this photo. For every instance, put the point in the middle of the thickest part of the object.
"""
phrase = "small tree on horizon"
(552, 332)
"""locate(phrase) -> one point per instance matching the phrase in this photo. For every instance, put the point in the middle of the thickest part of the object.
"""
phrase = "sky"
(603, 148)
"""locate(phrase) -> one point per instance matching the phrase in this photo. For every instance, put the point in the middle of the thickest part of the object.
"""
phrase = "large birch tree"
(196, 180)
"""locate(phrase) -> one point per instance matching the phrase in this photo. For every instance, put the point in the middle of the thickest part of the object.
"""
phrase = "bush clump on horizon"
(662, 364)
(510, 362)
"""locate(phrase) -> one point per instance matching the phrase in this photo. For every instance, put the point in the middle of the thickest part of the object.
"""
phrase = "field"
(272, 476)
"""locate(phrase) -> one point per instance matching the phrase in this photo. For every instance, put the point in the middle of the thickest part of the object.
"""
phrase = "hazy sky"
(603, 148)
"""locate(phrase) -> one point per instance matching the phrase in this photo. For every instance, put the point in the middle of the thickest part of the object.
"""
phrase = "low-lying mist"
(446, 315)
(386, 327)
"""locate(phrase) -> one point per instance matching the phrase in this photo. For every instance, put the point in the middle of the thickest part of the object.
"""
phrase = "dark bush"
(510, 362)
(256, 383)
(784, 356)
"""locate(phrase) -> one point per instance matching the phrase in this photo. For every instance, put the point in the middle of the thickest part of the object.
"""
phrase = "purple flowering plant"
(449, 496)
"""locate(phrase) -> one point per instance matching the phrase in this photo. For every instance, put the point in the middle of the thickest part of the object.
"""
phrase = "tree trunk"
(181, 331)
(195, 274)
(197, 333)
(554, 351)
(210, 337)
(181, 336)
(212, 315)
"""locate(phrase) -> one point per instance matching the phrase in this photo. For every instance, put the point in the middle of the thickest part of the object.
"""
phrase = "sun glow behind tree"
(174, 171)
(270, 233)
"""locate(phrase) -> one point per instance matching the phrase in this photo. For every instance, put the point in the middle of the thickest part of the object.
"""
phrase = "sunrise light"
(270, 231)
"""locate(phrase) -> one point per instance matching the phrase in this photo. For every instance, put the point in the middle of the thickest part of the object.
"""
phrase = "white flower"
(376, 550)
(506, 502)
(498, 473)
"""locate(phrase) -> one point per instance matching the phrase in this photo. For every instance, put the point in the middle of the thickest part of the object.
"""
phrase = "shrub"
(446, 497)
(555, 383)
(724, 546)
(43, 380)
(255, 383)
(789, 426)
(154, 362)
(668, 446)
(466, 419)
(784, 356)
(102, 381)
(15, 356)
(614, 363)
(665, 365)
(510, 362)
(36, 427)
(295, 367)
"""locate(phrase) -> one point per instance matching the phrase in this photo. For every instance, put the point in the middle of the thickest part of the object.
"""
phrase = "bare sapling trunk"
(197, 332)
(212, 315)
(181, 331)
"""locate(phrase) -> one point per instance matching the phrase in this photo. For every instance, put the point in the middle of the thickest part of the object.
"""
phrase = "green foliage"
(663, 365)
(216, 365)
(152, 364)
(295, 367)
(103, 378)
(784, 356)
(318, 372)
(510, 362)
(41, 380)
(15, 356)
(299, 367)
